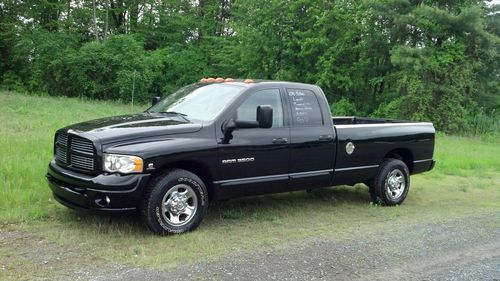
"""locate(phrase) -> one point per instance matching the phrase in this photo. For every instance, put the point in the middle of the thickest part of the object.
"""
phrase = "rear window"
(305, 108)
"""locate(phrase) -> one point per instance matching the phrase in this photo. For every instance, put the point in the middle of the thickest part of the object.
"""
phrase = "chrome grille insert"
(61, 155)
(82, 162)
(62, 139)
(82, 145)
(74, 152)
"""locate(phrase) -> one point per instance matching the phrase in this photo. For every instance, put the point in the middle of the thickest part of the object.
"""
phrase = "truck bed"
(375, 139)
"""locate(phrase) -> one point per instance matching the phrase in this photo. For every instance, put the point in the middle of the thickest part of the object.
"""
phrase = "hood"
(127, 127)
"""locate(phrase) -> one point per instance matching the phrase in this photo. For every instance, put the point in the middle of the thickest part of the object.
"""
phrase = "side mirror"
(232, 125)
(265, 116)
(155, 100)
(264, 120)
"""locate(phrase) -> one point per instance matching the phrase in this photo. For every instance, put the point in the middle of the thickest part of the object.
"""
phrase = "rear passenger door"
(312, 140)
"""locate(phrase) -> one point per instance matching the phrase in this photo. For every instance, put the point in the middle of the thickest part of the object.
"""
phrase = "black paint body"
(284, 159)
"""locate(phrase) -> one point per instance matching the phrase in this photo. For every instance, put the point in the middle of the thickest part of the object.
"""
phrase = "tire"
(175, 202)
(392, 183)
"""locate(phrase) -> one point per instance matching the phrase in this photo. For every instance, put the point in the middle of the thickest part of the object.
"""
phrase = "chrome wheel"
(179, 205)
(395, 184)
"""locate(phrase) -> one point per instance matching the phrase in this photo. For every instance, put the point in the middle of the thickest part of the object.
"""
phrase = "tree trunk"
(134, 15)
(106, 21)
(95, 21)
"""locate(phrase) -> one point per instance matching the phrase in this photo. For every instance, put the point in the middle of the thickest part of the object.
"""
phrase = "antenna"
(133, 90)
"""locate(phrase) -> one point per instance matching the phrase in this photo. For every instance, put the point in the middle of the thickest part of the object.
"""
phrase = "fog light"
(102, 200)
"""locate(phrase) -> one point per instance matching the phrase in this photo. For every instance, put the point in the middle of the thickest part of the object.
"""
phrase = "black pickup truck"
(221, 139)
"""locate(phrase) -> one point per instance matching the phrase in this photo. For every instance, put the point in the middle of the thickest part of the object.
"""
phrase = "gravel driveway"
(467, 249)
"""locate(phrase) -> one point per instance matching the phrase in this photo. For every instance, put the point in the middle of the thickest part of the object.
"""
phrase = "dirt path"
(467, 249)
(460, 250)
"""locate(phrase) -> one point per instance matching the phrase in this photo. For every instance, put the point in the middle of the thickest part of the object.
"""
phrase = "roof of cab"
(255, 82)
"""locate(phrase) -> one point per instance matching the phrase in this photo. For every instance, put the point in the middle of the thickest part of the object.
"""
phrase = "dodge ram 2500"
(221, 139)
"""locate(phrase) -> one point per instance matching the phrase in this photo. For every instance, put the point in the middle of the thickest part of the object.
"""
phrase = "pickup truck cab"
(221, 139)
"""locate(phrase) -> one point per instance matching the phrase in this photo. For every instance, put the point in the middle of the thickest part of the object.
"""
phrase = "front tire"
(175, 202)
(392, 183)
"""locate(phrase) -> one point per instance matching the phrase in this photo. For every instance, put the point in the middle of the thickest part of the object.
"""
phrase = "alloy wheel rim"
(395, 184)
(179, 205)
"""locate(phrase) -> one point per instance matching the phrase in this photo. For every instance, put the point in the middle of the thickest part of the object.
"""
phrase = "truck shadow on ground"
(244, 210)
(289, 202)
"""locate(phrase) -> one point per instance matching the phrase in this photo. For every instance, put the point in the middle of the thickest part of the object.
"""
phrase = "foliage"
(407, 59)
(343, 107)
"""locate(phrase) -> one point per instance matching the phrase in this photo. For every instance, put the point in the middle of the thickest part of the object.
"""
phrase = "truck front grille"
(61, 155)
(62, 139)
(82, 145)
(74, 152)
(82, 162)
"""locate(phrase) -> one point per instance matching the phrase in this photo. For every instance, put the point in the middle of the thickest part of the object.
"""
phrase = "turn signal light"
(248, 81)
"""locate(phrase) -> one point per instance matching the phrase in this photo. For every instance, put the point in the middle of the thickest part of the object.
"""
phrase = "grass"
(465, 182)
(27, 130)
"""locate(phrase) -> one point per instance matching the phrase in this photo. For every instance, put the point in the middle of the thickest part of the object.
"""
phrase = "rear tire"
(175, 202)
(392, 183)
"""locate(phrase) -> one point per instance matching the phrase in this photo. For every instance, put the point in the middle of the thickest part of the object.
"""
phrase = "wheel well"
(402, 154)
(196, 168)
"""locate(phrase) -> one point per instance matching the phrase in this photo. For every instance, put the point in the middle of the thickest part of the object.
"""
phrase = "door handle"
(325, 138)
(280, 140)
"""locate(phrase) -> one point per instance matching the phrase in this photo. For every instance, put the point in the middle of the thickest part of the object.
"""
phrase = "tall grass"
(27, 129)
(486, 125)
(466, 156)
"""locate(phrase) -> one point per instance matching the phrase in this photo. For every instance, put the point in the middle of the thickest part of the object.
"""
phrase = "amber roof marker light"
(221, 80)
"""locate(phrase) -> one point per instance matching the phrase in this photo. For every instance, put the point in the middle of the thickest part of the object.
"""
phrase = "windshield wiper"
(170, 112)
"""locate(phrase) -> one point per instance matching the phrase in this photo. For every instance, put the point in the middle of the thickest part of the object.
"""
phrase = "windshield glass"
(199, 101)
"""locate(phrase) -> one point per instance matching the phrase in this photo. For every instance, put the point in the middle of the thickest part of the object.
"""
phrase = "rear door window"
(305, 108)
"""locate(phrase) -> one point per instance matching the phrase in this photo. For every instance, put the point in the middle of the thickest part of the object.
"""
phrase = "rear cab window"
(305, 108)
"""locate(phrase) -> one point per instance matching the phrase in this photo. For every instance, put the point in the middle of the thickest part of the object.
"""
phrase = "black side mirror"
(264, 120)
(265, 116)
(155, 100)
(232, 125)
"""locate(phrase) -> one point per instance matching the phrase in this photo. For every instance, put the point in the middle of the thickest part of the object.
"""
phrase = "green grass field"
(466, 181)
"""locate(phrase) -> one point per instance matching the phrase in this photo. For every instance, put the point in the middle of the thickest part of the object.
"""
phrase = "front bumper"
(103, 193)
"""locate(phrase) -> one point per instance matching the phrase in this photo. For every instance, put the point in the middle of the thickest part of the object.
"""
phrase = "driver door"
(256, 160)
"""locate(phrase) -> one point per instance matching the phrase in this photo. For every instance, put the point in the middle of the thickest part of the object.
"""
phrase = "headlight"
(122, 163)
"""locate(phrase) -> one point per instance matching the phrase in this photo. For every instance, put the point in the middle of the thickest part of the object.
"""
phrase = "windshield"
(199, 101)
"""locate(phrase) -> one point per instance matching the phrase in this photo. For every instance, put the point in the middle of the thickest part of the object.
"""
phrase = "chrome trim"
(382, 125)
(275, 177)
(423, 160)
(311, 172)
(251, 179)
(356, 168)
